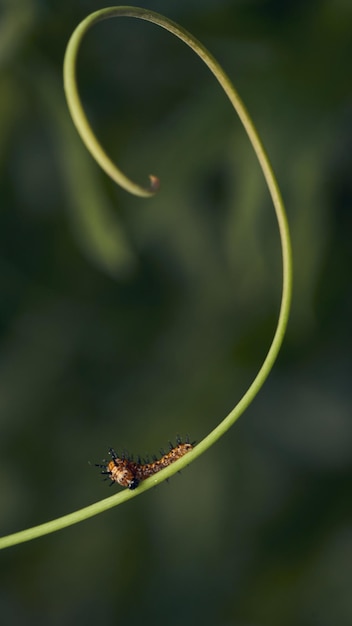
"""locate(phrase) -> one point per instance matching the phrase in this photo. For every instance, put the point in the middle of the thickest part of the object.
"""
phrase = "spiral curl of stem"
(88, 137)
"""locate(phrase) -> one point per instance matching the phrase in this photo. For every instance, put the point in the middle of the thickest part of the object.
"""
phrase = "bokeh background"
(126, 321)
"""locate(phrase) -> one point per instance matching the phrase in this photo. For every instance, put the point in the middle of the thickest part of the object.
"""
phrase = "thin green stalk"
(109, 167)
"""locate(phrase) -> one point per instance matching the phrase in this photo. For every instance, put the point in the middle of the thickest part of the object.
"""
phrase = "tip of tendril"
(154, 182)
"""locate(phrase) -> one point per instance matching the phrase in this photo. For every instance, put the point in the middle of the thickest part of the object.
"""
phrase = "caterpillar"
(129, 473)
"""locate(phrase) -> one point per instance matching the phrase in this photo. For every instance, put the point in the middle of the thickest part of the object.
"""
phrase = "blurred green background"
(126, 321)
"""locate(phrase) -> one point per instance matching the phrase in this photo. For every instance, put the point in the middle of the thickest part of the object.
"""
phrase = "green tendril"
(88, 137)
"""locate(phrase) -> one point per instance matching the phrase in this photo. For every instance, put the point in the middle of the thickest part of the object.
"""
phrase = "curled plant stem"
(108, 166)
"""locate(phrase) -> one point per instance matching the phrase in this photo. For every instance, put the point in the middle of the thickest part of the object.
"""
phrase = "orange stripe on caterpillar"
(128, 473)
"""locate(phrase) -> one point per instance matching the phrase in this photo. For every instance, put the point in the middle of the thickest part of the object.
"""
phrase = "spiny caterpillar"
(129, 473)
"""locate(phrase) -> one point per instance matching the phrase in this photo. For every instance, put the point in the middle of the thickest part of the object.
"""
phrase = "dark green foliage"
(125, 321)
